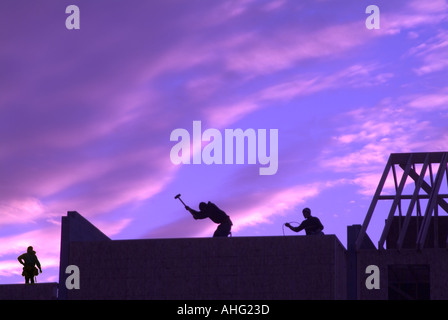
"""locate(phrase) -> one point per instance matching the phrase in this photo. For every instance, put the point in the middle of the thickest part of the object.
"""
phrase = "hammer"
(178, 197)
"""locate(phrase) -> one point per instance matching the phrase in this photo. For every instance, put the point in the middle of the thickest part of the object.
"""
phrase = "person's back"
(211, 211)
(29, 261)
(312, 225)
(215, 214)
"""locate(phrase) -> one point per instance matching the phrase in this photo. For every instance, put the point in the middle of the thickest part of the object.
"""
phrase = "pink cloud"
(434, 6)
(433, 101)
(9, 268)
(433, 53)
(21, 211)
(351, 76)
(118, 187)
(45, 241)
(275, 203)
(368, 182)
(50, 265)
(224, 12)
(403, 124)
(251, 53)
(413, 15)
(225, 115)
(356, 75)
(376, 141)
(285, 48)
(112, 228)
(247, 210)
(274, 5)
(282, 48)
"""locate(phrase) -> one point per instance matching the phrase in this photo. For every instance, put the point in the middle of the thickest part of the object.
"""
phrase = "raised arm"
(196, 214)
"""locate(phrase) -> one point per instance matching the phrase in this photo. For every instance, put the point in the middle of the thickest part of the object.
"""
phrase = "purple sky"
(86, 115)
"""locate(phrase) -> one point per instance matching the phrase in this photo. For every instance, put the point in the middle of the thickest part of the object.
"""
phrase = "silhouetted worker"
(29, 262)
(312, 225)
(210, 210)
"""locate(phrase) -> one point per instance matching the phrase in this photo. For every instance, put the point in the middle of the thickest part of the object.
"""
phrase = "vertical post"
(396, 190)
(369, 214)
(415, 198)
(397, 199)
(432, 202)
(436, 226)
(352, 262)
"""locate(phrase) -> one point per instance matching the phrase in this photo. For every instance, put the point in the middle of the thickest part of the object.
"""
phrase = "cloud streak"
(392, 126)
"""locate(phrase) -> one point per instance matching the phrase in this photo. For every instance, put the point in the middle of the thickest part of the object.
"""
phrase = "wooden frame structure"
(407, 162)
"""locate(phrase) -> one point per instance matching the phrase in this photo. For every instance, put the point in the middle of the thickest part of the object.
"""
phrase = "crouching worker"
(210, 210)
(29, 261)
(312, 225)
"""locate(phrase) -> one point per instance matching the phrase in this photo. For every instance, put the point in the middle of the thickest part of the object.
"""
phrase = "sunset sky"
(86, 115)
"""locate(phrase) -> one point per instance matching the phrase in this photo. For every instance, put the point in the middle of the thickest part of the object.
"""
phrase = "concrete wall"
(292, 267)
(74, 227)
(38, 291)
(436, 259)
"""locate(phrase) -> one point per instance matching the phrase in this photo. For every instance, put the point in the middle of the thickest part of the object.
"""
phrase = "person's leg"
(223, 230)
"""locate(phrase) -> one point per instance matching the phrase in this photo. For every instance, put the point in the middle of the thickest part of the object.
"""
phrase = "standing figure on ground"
(29, 261)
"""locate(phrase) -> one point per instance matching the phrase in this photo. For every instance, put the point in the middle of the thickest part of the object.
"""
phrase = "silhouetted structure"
(235, 268)
(38, 291)
(412, 265)
(414, 262)
(74, 228)
(311, 225)
(410, 163)
(211, 210)
(29, 261)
